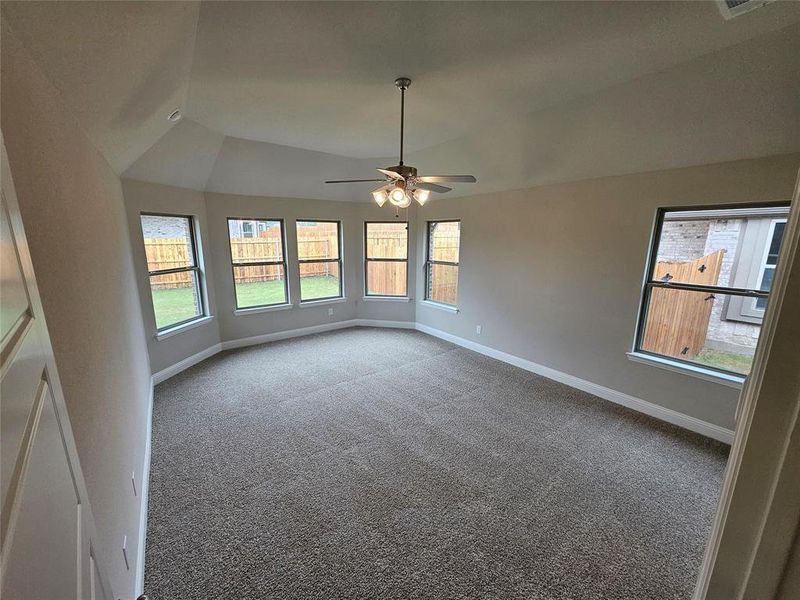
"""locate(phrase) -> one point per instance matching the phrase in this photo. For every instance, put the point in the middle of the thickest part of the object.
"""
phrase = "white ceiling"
(280, 96)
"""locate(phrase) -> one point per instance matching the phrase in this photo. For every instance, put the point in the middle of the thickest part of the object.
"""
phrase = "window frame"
(429, 261)
(199, 280)
(339, 260)
(367, 260)
(648, 284)
(283, 262)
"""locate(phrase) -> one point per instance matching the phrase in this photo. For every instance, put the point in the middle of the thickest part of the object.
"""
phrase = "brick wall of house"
(164, 227)
(683, 240)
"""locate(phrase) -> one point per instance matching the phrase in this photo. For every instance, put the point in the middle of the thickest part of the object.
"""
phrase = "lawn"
(178, 304)
(730, 361)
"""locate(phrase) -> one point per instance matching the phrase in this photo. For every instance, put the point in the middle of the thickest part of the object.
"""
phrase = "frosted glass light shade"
(421, 196)
(380, 197)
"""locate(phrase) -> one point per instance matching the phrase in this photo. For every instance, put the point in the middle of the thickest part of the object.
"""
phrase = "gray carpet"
(369, 463)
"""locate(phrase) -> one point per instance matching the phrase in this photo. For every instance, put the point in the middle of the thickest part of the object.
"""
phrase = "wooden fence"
(677, 320)
(384, 277)
(171, 253)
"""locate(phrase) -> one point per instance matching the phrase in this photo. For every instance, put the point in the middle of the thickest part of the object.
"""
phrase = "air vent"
(735, 8)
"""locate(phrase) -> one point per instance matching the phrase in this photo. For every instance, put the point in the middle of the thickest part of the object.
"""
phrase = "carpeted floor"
(378, 463)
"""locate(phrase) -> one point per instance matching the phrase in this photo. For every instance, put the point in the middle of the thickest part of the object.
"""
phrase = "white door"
(46, 528)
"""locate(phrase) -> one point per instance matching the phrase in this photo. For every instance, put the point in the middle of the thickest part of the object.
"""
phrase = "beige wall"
(149, 197)
(72, 207)
(563, 287)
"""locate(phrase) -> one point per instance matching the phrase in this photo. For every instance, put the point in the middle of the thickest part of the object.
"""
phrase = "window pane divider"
(442, 262)
(259, 264)
(318, 260)
(170, 271)
(387, 259)
(712, 289)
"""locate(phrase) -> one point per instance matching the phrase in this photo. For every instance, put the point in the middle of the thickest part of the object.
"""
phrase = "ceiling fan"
(401, 183)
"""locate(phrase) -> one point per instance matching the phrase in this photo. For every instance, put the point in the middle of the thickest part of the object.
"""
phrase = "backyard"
(175, 305)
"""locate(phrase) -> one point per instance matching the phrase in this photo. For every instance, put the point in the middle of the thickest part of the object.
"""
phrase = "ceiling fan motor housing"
(404, 170)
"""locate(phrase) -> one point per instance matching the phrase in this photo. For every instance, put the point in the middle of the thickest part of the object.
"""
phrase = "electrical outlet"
(478, 329)
(125, 551)
(133, 483)
(330, 312)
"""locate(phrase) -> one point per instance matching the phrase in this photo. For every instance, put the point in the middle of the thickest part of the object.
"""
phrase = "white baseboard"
(185, 363)
(144, 489)
(387, 324)
(654, 410)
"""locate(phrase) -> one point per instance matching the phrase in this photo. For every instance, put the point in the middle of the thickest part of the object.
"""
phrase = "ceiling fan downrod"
(402, 83)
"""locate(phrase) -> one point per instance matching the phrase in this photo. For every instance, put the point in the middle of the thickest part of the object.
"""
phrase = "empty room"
(393, 300)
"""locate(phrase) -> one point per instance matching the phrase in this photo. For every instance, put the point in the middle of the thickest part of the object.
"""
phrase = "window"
(386, 258)
(708, 284)
(441, 264)
(258, 262)
(172, 266)
(320, 257)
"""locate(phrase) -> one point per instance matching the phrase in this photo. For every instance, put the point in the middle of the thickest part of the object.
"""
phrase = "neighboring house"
(750, 241)
(247, 229)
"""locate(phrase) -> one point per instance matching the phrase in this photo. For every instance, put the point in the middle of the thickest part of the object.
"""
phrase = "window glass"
(441, 269)
(444, 241)
(175, 278)
(708, 282)
(258, 262)
(318, 251)
(386, 258)
(168, 241)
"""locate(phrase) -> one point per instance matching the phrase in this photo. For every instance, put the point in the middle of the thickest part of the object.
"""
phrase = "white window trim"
(262, 309)
(198, 322)
(697, 371)
(440, 306)
(386, 299)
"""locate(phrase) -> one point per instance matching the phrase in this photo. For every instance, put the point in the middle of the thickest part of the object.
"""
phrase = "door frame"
(88, 553)
(774, 450)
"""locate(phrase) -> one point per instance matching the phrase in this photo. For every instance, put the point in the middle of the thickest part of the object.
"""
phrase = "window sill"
(386, 299)
(261, 309)
(734, 381)
(168, 333)
(322, 302)
(437, 305)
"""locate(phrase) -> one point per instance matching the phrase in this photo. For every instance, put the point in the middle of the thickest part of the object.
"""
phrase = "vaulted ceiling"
(278, 97)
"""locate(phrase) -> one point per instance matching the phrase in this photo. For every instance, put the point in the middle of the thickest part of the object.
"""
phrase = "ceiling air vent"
(735, 8)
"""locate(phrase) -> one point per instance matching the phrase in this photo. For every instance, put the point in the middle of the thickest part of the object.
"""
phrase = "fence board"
(677, 320)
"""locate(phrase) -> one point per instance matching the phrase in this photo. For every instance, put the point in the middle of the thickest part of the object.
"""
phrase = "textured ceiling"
(280, 96)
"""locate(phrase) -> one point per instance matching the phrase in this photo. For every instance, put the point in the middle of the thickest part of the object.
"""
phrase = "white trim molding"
(187, 362)
(686, 369)
(144, 490)
(654, 410)
(439, 306)
(198, 322)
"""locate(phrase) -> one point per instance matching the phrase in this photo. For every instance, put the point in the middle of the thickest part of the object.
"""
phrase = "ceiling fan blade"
(382, 187)
(448, 178)
(432, 187)
(352, 180)
(392, 174)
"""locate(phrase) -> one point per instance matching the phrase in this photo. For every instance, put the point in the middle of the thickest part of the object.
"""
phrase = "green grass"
(177, 305)
(174, 306)
(730, 361)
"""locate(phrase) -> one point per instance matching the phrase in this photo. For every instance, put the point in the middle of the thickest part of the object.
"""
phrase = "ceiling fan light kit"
(402, 185)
